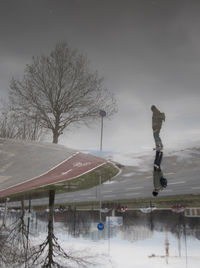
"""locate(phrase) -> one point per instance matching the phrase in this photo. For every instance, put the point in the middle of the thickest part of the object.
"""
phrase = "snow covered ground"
(118, 253)
(143, 160)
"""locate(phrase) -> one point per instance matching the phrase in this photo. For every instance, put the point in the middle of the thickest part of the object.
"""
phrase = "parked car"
(148, 209)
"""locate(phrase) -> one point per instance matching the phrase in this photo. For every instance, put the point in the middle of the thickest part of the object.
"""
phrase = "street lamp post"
(102, 113)
(100, 196)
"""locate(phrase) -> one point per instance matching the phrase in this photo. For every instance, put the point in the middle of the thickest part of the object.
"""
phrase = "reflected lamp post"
(102, 114)
(100, 196)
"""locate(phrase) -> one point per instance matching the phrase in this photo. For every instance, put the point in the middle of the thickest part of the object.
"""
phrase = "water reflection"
(167, 237)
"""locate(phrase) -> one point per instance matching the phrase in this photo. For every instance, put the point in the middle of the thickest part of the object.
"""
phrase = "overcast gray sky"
(147, 51)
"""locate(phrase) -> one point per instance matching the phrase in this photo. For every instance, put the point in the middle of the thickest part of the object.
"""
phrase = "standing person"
(158, 159)
(157, 119)
(157, 175)
(159, 181)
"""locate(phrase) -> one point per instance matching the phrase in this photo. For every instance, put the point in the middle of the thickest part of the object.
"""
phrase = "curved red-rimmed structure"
(75, 165)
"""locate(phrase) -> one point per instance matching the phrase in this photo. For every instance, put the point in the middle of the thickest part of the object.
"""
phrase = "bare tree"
(18, 125)
(61, 88)
(3, 226)
(15, 248)
(8, 127)
(50, 254)
(28, 127)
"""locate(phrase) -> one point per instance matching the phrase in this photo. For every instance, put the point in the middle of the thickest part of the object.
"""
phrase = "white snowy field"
(118, 253)
(143, 160)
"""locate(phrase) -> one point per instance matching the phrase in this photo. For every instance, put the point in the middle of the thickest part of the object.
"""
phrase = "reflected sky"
(147, 51)
(161, 238)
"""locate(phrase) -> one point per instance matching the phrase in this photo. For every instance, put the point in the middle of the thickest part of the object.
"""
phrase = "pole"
(101, 133)
(102, 113)
(185, 235)
(5, 213)
(74, 221)
(28, 227)
(100, 196)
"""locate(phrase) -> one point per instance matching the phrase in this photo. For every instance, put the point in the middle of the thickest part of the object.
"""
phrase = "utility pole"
(166, 245)
(100, 196)
(102, 113)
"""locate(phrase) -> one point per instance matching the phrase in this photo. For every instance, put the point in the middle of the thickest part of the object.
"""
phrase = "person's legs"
(158, 141)
(158, 159)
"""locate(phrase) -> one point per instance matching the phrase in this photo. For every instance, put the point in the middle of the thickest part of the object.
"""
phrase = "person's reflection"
(151, 221)
(157, 173)
(157, 120)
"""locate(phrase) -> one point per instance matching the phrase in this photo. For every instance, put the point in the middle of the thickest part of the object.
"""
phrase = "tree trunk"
(55, 137)
(50, 226)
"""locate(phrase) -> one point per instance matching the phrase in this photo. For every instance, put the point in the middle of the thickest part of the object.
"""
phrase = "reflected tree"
(3, 226)
(50, 254)
(78, 222)
(15, 247)
(62, 89)
(18, 125)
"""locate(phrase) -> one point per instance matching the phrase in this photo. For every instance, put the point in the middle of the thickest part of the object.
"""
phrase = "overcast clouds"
(147, 51)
